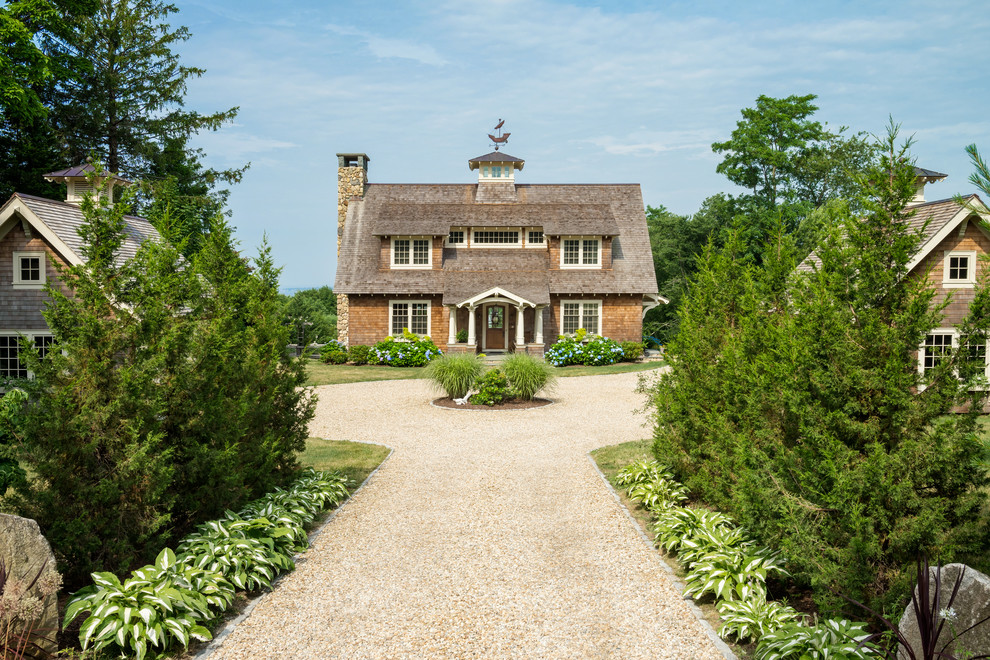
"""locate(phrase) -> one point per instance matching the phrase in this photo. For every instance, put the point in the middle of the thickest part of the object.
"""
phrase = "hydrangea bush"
(409, 351)
(334, 352)
(596, 352)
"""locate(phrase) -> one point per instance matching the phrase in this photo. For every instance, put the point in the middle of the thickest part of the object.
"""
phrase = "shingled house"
(954, 240)
(513, 265)
(35, 233)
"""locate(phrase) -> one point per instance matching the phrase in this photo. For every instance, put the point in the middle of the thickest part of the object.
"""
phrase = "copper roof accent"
(929, 218)
(431, 209)
(496, 157)
(499, 140)
(80, 171)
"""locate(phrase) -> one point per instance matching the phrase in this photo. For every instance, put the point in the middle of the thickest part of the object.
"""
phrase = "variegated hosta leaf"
(827, 640)
(643, 471)
(657, 495)
(753, 618)
(680, 525)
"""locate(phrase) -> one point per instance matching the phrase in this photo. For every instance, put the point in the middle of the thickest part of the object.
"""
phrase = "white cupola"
(78, 184)
(922, 177)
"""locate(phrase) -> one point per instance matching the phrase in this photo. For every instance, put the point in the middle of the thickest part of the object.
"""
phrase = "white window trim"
(410, 265)
(497, 246)
(581, 265)
(397, 333)
(29, 334)
(954, 332)
(29, 284)
(970, 280)
(583, 302)
(535, 245)
(463, 243)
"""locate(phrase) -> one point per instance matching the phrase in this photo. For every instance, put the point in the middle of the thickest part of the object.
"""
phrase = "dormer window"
(412, 252)
(29, 270)
(959, 270)
(534, 237)
(455, 237)
(580, 252)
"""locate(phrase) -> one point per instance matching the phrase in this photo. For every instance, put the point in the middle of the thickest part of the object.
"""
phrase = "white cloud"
(387, 47)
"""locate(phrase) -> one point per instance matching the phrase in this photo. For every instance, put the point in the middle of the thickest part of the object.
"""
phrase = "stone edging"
(720, 644)
(493, 409)
(228, 628)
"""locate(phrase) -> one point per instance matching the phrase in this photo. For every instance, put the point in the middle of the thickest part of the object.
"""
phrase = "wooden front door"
(495, 328)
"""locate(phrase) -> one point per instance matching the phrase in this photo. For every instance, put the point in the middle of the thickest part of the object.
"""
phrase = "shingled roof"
(929, 218)
(432, 209)
(63, 220)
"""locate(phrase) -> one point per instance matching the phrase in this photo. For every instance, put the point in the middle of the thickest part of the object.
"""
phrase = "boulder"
(27, 558)
(971, 604)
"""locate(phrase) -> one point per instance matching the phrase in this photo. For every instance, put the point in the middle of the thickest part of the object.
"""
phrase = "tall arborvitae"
(796, 405)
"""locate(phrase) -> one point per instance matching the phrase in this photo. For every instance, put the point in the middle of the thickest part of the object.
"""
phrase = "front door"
(495, 328)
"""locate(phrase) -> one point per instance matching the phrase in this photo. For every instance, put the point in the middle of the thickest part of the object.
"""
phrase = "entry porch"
(497, 321)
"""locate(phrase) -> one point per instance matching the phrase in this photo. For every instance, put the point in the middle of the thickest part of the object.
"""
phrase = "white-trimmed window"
(534, 237)
(975, 358)
(492, 237)
(939, 345)
(576, 314)
(412, 252)
(959, 269)
(29, 270)
(413, 315)
(11, 365)
(580, 252)
(456, 236)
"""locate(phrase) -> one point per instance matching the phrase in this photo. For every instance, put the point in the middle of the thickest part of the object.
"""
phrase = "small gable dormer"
(78, 183)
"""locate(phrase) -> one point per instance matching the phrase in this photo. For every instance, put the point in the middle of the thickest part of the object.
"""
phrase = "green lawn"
(355, 459)
(319, 373)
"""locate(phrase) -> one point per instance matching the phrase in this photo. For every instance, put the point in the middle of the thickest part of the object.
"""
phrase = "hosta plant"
(641, 471)
(678, 524)
(829, 640)
(751, 618)
(708, 540)
(322, 489)
(159, 603)
(657, 494)
(725, 574)
(246, 552)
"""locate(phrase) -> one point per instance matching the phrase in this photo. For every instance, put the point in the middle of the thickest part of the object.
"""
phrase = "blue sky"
(628, 92)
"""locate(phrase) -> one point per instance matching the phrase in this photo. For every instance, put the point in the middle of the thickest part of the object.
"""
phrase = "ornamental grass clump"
(527, 375)
(454, 373)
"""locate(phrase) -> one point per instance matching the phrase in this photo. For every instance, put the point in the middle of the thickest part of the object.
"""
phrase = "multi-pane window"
(959, 269)
(400, 252)
(495, 237)
(572, 252)
(580, 253)
(534, 237)
(411, 252)
(421, 252)
(975, 357)
(414, 315)
(29, 269)
(938, 347)
(455, 237)
(11, 365)
(576, 314)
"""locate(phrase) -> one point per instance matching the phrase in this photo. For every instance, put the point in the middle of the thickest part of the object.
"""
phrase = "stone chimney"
(352, 179)
(78, 183)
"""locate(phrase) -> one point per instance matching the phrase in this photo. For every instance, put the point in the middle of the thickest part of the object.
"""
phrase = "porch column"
(472, 340)
(520, 330)
(538, 333)
(452, 333)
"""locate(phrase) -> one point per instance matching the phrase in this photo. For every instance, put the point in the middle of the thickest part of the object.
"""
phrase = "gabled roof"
(59, 223)
(935, 220)
(431, 209)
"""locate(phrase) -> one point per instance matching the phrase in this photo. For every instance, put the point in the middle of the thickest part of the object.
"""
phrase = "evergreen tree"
(795, 403)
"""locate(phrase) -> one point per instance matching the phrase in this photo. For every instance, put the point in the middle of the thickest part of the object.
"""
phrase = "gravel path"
(484, 535)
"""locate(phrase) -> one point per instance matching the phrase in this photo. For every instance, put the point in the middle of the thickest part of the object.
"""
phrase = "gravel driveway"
(484, 535)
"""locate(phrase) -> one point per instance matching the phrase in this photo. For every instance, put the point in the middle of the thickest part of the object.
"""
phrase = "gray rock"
(26, 555)
(972, 604)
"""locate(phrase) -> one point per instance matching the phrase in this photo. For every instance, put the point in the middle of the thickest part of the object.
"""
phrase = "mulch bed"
(511, 404)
